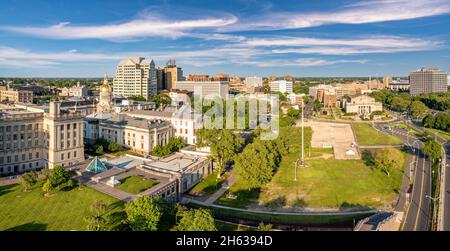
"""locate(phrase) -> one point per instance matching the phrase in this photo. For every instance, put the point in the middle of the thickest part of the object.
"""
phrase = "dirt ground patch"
(337, 135)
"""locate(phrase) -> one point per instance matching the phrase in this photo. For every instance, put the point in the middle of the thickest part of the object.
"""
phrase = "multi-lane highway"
(418, 216)
(444, 197)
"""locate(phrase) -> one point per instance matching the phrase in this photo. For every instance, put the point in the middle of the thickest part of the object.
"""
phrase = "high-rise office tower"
(427, 80)
(172, 75)
(160, 79)
(135, 77)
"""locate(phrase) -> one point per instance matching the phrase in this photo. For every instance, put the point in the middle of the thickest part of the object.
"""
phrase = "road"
(445, 188)
(418, 215)
(309, 108)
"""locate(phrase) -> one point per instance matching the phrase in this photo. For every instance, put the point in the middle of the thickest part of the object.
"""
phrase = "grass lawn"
(208, 185)
(325, 183)
(444, 134)
(136, 184)
(64, 210)
(367, 136)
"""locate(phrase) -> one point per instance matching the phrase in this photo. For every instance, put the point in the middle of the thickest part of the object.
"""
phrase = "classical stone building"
(362, 105)
(16, 96)
(104, 104)
(64, 136)
(31, 140)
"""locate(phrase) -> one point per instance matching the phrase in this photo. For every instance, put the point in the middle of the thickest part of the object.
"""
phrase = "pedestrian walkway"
(225, 186)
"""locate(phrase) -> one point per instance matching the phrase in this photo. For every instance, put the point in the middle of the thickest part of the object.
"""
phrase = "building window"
(75, 154)
(68, 155)
(62, 156)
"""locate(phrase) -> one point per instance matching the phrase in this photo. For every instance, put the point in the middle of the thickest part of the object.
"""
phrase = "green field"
(208, 185)
(64, 210)
(325, 183)
(367, 136)
(136, 184)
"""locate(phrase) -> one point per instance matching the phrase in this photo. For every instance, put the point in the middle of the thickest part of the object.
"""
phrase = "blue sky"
(45, 38)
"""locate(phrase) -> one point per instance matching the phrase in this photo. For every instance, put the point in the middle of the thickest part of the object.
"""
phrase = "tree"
(113, 147)
(47, 187)
(224, 145)
(161, 99)
(99, 150)
(384, 161)
(256, 165)
(418, 109)
(58, 176)
(27, 180)
(264, 227)
(144, 213)
(195, 220)
(433, 150)
(96, 221)
(428, 121)
(400, 103)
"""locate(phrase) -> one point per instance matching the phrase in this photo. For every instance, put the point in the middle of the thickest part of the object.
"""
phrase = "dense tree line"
(439, 121)
(149, 214)
(257, 163)
(172, 146)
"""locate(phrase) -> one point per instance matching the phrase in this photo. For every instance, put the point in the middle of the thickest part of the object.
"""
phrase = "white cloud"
(138, 28)
(371, 11)
(374, 44)
(301, 62)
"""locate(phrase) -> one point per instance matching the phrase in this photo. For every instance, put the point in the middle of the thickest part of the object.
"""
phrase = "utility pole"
(303, 135)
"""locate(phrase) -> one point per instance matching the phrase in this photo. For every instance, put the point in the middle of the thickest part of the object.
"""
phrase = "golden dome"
(104, 88)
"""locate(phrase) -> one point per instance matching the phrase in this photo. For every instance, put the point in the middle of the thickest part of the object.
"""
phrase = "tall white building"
(218, 88)
(252, 82)
(282, 86)
(135, 77)
(427, 80)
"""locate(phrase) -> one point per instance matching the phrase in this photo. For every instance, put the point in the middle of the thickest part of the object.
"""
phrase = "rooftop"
(125, 120)
(177, 162)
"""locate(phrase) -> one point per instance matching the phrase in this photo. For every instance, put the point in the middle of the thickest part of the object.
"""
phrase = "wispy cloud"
(327, 46)
(301, 62)
(371, 11)
(15, 58)
(134, 29)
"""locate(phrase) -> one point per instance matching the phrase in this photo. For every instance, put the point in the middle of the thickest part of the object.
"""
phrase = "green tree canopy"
(224, 145)
(195, 220)
(418, 109)
(144, 213)
(433, 149)
(161, 99)
(27, 180)
(58, 176)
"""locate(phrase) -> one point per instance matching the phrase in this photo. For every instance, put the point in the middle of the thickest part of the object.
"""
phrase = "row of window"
(17, 168)
(16, 128)
(10, 159)
(69, 155)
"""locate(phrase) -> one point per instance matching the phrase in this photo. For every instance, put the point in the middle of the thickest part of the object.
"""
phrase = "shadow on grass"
(6, 189)
(368, 158)
(345, 205)
(242, 198)
(278, 202)
(31, 226)
(117, 221)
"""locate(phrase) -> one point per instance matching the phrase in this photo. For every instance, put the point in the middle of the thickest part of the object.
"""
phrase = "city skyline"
(323, 39)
